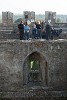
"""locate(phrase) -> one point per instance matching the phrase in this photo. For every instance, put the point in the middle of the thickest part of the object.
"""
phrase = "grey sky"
(39, 6)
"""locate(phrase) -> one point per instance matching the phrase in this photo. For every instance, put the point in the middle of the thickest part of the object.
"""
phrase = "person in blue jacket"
(26, 31)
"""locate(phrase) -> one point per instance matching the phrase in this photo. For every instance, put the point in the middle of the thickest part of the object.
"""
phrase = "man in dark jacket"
(38, 26)
(48, 31)
(21, 30)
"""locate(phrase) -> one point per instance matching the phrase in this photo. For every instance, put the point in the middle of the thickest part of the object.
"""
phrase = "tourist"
(48, 31)
(38, 26)
(26, 31)
(21, 30)
(34, 32)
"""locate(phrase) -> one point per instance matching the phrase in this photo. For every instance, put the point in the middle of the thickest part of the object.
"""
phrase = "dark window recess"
(34, 71)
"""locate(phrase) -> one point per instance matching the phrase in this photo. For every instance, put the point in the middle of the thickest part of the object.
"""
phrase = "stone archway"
(35, 70)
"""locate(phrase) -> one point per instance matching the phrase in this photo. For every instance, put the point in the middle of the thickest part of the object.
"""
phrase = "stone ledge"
(33, 93)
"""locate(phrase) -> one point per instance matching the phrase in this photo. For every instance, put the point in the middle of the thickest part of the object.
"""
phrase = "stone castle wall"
(13, 63)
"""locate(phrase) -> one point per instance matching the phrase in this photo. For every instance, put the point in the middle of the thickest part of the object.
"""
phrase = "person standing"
(26, 31)
(48, 31)
(21, 30)
(34, 32)
(38, 26)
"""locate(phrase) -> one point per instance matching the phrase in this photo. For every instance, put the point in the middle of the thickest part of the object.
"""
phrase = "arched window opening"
(34, 71)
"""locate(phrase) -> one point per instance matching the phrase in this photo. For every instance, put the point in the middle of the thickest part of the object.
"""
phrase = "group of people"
(50, 32)
(37, 31)
(24, 30)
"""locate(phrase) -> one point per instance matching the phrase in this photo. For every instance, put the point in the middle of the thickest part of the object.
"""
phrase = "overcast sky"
(39, 6)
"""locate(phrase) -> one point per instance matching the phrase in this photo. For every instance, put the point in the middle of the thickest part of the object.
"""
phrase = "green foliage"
(33, 65)
(58, 20)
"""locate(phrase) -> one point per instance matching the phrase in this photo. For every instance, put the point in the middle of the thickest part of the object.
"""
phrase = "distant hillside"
(63, 18)
(40, 17)
(17, 16)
